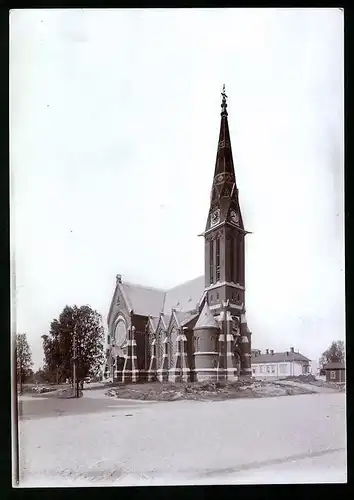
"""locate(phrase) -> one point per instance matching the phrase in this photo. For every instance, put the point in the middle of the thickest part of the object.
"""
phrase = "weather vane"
(223, 102)
(223, 92)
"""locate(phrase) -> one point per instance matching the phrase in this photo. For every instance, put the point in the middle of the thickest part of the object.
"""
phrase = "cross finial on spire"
(223, 102)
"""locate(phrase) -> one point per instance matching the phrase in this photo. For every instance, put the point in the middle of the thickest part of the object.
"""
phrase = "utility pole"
(15, 433)
(74, 361)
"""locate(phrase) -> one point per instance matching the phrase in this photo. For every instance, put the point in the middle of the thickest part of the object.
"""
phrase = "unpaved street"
(99, 440)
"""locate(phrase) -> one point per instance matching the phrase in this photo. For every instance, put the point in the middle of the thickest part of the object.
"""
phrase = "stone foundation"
(206, 374)
(162, 375)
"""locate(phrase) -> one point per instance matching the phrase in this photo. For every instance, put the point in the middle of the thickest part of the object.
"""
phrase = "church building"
(197, 330)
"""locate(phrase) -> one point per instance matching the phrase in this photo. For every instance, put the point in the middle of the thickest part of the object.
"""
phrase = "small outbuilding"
(335, 372)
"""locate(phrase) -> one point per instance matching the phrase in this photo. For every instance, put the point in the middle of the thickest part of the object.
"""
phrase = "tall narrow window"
(232, 259)
(211, 261)
(237, 259)
(217, 258)
(241, 264)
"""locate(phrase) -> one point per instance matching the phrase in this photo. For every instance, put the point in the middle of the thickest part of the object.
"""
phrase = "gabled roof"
(189, 319)
(148, 301)
(278, 357)
(186, 296)
(163, 322)
(334, 366)
(153, 322)
(183, 317)
(144, 301)
(206, 319)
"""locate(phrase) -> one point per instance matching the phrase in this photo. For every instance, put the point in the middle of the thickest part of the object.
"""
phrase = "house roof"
(278, 357)
(334, 366)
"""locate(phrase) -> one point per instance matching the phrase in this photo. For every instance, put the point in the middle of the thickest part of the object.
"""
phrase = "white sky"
(115, 117)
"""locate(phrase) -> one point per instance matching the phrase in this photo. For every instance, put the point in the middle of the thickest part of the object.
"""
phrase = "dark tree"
(23, 359)
(40, 376)
(334, 354)
(85, 326)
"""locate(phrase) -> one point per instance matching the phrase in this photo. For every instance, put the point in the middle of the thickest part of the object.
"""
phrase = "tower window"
(232, 259)
(211, 262)
(237, 258)
(217, 258)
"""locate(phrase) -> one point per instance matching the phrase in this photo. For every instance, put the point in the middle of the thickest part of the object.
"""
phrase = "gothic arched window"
(232, 259)
(217, 258)
(211, 261)
(120, 336)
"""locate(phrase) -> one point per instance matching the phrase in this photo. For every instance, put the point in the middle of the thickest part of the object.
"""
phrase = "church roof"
(143, 300)
(183, 317)
(186, 296)
(206, 319)
(154, 322)
(166, 320)
(147, 301)
(189, 318)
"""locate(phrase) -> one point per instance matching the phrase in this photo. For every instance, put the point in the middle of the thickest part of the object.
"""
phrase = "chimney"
(291, 349)
(287, 353)
(119, 278)
(272, 352)
(267, 351)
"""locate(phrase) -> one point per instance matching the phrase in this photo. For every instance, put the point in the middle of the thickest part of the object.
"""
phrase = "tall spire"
(224, 162)
(224, 203)
(224, 184)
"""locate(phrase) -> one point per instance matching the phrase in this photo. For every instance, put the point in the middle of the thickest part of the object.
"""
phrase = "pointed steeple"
(224, 204)
(206, 320)
(224, 174)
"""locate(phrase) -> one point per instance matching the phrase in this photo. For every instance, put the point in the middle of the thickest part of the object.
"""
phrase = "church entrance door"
(120, 366)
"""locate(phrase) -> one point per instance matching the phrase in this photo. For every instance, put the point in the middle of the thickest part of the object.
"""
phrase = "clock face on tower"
(234, 217)
(215, 217)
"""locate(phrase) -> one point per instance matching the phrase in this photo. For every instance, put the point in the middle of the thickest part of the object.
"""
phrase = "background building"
(279, 364)
(335, 372)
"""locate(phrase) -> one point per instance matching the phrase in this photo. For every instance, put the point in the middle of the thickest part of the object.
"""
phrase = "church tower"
(225, 251)
(225, 232)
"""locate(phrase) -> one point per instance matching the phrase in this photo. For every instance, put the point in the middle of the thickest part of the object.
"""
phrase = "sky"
(114, 123)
